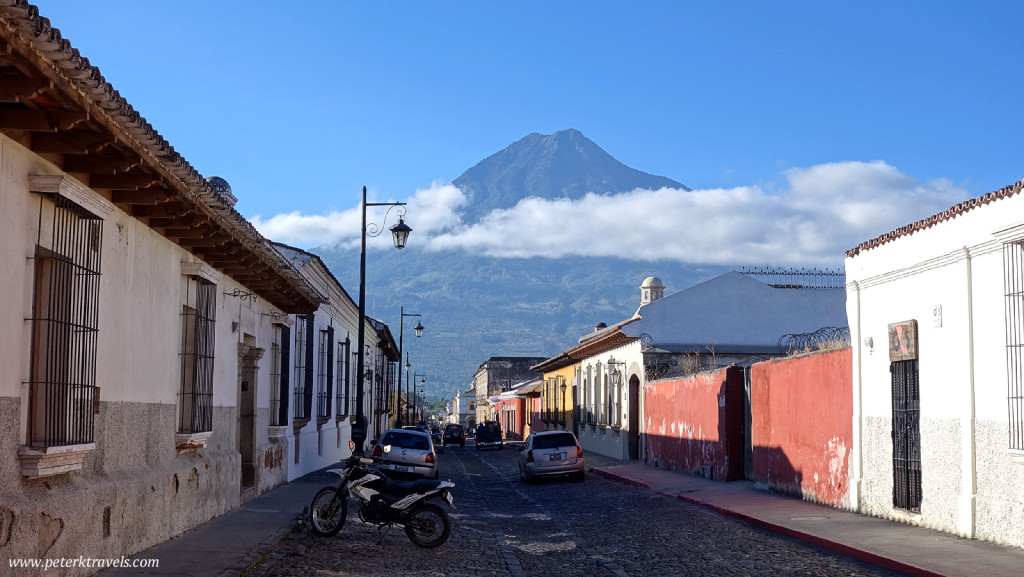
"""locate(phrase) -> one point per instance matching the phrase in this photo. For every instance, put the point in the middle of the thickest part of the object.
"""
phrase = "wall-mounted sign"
(903, 341)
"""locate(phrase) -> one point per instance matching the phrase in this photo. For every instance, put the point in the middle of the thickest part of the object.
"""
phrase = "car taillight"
(579, 452)
(529, 456)
(430, 458)
(378, 452)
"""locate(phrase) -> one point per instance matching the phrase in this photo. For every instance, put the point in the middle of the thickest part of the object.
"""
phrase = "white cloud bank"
(812, 220)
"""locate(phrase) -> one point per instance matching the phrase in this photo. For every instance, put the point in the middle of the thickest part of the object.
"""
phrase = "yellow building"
(558, 394)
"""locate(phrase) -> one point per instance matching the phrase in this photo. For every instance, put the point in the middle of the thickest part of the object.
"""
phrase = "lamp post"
(615, 376)
(419, 333)
(411, 410)
(400, 233)
(407, 367)
(422, 383)
(423, 406)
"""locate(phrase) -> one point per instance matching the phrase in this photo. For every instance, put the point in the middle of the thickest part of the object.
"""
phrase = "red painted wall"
(512, 415)
(695, 424)
(802, 425)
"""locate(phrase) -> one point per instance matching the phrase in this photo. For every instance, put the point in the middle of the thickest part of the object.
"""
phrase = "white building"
(314, 404)
(937, 325)
(148, 325)
(731, 319)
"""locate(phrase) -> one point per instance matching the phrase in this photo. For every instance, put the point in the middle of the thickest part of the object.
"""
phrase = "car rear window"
(552, 441)
(406, 441)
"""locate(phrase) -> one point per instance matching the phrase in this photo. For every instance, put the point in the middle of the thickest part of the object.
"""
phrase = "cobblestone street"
(557, 528)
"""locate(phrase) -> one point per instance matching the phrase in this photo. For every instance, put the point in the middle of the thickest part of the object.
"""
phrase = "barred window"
(344, 362)
(303, 353)
(1013, 282)
(198, 317)
(65, 324)
(279, 382)
(325, 376)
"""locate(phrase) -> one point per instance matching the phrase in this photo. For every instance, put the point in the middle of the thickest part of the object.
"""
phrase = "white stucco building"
(314, 404)
(937, 325)
(731, 319)
(145, 348)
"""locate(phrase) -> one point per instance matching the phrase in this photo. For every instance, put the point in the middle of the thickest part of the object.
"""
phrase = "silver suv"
(551, 453)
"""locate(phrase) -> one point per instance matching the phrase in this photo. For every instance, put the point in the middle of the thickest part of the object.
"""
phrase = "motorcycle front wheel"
(326, 514)
(428, 526)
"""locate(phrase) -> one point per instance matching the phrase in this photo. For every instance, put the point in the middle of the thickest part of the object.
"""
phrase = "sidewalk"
(233, 542)
(230, 544)
(896, 546)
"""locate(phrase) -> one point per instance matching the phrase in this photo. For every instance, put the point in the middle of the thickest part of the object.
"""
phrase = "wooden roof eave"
(50, 64)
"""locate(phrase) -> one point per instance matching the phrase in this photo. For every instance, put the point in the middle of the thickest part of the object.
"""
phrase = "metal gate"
(906, 435)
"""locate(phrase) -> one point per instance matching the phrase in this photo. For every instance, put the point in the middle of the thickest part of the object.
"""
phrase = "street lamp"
(615, 376)
(407, 367)
(400, 234)
(422, 383)
(419, 333)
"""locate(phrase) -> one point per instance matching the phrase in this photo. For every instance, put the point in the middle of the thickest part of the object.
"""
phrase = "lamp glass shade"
(400, 233)
(419, 329)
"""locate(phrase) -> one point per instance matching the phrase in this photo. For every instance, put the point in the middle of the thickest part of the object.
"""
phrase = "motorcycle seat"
(399, 489)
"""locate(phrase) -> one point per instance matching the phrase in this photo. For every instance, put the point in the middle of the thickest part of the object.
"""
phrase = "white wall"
(970, 479)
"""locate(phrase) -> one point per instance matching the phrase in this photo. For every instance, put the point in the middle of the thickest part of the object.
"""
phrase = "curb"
(835, 546)
(253, 559)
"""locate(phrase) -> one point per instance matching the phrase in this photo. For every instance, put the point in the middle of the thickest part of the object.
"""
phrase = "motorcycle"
(383, 502)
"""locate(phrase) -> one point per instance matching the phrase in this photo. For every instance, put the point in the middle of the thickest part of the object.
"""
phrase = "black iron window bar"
(1013, 280)
(197, 356)
(344, 355)
(299, 352)
(325, 376)
(65, 327)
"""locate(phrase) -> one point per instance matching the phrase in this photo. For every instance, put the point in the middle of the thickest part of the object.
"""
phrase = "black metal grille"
(341, 403)
(298, 383)
(65, 321)
(197, 354)
(906, 435)
(325, 377)
(279, 357)
(1013, 281)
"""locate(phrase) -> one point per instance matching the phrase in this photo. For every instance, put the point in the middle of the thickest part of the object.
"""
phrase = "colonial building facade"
(936, 325)
(147, 366)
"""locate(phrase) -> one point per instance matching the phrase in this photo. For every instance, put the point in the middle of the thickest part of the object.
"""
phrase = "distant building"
(498, 374)
(464, 409)
(596, 387)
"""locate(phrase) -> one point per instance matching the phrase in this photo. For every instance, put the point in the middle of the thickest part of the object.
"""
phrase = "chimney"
(600, 326)
(222, 189)
(651, 290)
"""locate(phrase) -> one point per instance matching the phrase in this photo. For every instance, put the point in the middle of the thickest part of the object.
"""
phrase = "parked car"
(453, 435)
(406, 453)
(488, 434)
(551, 453)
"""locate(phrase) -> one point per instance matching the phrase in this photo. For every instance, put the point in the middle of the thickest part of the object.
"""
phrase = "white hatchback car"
(551, 453)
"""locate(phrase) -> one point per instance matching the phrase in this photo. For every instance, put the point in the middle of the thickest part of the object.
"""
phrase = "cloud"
(811, 220)
(436, 210)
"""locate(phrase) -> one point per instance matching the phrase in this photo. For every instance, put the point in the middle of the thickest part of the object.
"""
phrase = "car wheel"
(523, 476)
(579, 477)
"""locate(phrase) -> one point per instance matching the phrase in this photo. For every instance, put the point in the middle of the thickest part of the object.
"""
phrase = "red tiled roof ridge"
(948, 214)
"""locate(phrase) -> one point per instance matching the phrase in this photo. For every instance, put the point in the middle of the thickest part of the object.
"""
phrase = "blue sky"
(804, 127)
